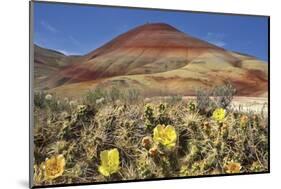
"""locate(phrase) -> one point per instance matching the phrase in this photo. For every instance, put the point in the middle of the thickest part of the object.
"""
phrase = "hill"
(158, 59)
(47, 62)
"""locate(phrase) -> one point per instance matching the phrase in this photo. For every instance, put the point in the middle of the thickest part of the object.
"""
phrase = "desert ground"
(254, 104)
(239, 103)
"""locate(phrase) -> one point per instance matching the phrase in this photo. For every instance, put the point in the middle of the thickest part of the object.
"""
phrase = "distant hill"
(158, 59)
(47, 62)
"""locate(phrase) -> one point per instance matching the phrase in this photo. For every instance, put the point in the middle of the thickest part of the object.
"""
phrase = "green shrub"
(93, 96)
(203, 100)
(39, 99)
(133, 95)
(115, 94)
(223, 95)
(174, 99)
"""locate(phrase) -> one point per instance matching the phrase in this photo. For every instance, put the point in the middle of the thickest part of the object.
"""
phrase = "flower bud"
(153, 151)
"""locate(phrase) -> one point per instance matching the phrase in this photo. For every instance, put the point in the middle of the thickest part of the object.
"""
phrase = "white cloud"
(49, 27)
(66, 52)
(218, 43)
(217, 39)
(74, 41)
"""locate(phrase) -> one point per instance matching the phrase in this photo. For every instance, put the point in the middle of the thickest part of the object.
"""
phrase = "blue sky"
(74, 29)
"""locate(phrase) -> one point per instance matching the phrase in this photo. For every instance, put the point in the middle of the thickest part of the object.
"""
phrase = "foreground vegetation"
(111, 136)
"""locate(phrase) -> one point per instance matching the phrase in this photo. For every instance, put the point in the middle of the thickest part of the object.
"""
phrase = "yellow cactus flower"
(165, 135)
(244, 120)
(219, 114)
(54, 167)
(109, 162)
(232, 167)
(256, 166)
(215, 172)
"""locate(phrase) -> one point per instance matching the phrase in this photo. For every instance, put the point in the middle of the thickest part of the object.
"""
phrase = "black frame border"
(31, 106)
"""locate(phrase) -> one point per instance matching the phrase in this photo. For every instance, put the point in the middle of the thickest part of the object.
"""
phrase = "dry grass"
(80, 130)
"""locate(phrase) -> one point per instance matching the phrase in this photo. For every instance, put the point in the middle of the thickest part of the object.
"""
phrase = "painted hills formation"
(47, 62)
(156, 59)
